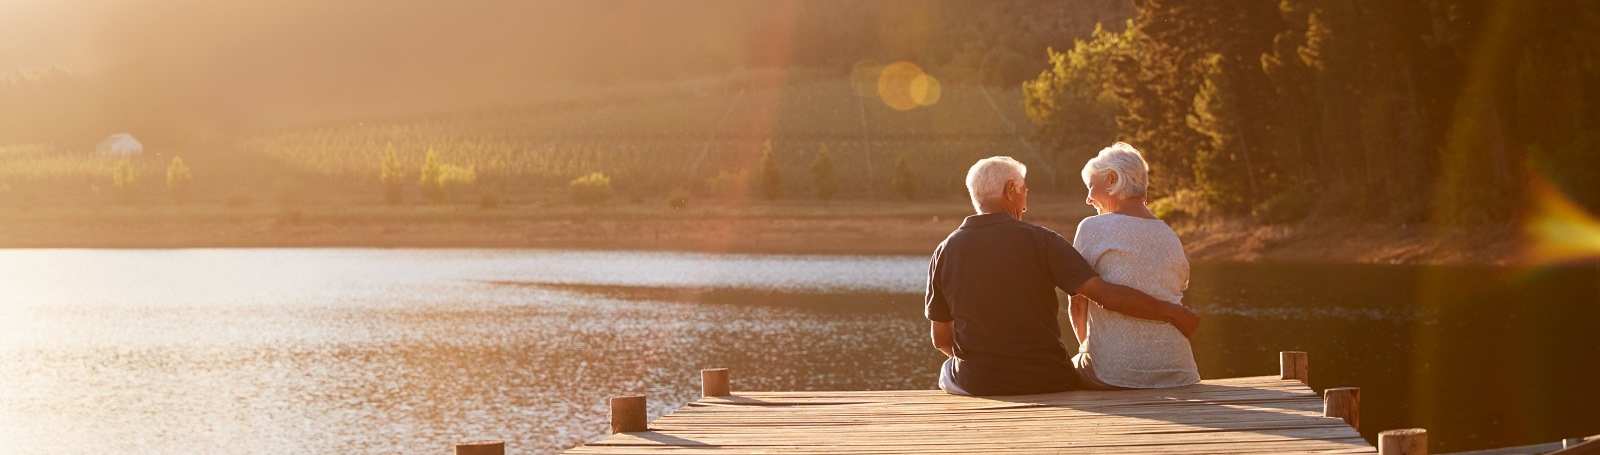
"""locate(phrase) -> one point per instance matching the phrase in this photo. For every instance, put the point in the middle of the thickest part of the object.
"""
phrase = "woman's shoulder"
(1117, 219)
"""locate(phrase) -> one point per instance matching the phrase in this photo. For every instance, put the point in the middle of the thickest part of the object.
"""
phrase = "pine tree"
(430, 185)
(771, 183)
(823, 182)
(124, 180)
(392, 174)
(905, 179)
(179, 180)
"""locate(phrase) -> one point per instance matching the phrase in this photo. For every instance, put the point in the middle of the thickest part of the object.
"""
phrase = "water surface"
(408, 351)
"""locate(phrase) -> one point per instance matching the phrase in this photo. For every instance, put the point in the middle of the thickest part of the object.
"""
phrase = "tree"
(771, 180)
(392, 174)
(1217, 170)
(179, 180)
(124, 180)
(905, 179)
(590, 189)
(429, 185)
(823, 182)
(1071, 101)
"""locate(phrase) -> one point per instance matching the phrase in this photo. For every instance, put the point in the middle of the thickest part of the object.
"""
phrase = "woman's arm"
(944, 337)
(1078, 313)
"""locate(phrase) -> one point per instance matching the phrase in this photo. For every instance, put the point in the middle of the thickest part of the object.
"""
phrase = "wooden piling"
(628, 415)
(1410, 441)
(714, 382)
(1343, 402)
(481, 448)
(1295, 365)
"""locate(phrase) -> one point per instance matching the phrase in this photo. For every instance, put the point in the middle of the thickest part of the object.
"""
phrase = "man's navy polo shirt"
(995, 276)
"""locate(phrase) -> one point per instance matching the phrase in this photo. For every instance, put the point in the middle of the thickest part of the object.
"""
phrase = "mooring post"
(1294, 365)
(1343, 402)
(481, 448)
(1410, 441)
(714, 382)
(628, 415)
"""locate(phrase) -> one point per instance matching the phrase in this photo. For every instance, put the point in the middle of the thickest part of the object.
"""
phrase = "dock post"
(628, 415)
(714, 382)
(1410, 441)
(1294, 365)
(481, 448)
(1343, 402)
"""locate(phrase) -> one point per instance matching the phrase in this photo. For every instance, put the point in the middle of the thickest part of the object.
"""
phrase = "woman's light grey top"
(1143, 254)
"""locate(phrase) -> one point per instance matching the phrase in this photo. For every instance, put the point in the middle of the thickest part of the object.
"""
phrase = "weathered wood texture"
(1242, 415)
(481, 448)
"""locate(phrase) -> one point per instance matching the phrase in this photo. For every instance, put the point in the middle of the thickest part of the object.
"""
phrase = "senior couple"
(991, 289)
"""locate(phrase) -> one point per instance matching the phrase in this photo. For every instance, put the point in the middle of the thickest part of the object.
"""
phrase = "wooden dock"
(1266, 414)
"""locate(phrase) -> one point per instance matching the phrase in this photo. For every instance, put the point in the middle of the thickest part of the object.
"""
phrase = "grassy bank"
(856, 227)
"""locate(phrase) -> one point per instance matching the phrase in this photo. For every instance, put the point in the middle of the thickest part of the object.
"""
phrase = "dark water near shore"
(383, 351)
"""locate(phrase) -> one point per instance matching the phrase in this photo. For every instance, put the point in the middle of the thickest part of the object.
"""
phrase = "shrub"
(1180, 205)
(440, 182)
(392, 174)
(179, 180)
(823, 182)
(905, 180)
(124, 180)
(1286, 207)
(590, 189)
(771, 180)
(678, 198)
(452, 179)
(728, 184)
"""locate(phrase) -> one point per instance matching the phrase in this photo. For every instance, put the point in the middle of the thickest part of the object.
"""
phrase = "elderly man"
(991, 293)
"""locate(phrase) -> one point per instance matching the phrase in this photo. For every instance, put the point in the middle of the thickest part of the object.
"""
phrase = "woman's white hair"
(986, 181)
(1133, 174)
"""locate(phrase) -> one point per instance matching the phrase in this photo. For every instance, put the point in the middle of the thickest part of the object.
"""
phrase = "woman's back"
(1143, 254)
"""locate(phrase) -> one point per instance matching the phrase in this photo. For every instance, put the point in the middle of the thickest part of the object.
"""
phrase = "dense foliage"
(1405, 110)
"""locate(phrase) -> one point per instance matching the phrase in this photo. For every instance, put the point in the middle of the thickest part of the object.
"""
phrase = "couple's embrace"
(991, 289)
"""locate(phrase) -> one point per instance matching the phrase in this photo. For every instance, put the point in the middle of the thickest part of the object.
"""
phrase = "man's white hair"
(986, 181)
(1133, 174)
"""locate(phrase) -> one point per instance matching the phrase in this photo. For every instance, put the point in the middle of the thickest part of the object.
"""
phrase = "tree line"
(1405, 110)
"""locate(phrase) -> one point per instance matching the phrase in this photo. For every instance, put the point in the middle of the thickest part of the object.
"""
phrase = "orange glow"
(904, 86)
(1559, 230)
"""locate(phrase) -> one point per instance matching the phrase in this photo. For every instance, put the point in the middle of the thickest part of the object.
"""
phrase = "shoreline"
(841, 228)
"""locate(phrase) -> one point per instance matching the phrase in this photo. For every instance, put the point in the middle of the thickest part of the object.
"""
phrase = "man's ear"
(1011, 187)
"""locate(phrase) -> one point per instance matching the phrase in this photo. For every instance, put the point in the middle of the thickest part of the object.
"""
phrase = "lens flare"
(904, 86)
(925, 89)
(1559, 230)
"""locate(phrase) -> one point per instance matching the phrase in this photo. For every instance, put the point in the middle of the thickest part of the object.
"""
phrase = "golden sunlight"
(1559, 230)
(904, 86)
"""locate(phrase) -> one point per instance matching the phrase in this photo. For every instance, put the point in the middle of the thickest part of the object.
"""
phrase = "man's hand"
(1185, 321)
(1130, 301)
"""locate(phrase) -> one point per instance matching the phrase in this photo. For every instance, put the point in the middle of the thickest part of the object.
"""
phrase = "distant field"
(650, 139)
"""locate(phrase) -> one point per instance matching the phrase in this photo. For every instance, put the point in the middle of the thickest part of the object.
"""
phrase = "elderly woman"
(1126, 244)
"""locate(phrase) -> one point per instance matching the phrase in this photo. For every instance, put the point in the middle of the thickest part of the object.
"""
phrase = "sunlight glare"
(1559, 230)
(904, 86)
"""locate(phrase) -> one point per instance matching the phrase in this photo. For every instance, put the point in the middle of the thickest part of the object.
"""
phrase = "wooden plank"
(1239, 415)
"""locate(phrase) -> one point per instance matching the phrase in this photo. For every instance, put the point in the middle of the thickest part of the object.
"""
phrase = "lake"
(409, 351)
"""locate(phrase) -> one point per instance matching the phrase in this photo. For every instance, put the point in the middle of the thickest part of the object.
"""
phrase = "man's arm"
(944, 337)
(1130, 301)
